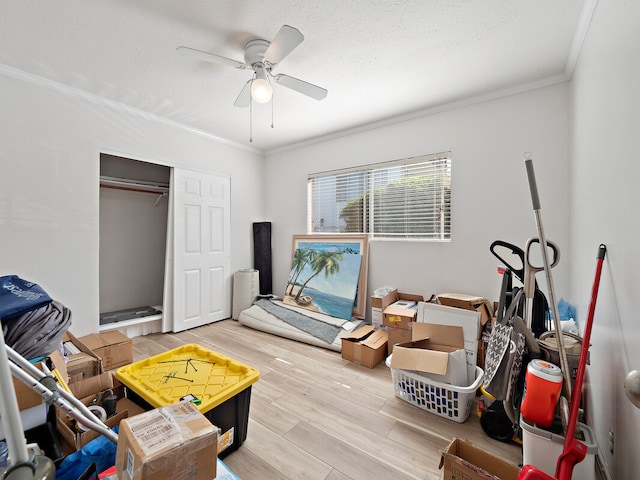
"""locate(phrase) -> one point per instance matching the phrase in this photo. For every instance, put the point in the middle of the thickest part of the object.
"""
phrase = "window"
(408, 199)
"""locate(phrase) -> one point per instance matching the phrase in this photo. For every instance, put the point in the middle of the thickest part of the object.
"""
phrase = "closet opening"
(134, 208)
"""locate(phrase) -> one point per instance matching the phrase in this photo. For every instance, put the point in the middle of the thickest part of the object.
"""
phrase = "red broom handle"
(584, 353)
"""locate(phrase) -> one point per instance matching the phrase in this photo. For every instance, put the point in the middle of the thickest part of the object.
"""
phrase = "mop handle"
(535, 199)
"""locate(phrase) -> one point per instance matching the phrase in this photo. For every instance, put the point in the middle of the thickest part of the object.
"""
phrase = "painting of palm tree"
(324, 278)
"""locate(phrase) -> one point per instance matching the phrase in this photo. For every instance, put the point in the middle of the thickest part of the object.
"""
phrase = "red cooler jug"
(543, 384)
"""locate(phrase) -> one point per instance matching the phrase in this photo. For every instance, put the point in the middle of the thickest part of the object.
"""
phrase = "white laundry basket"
(448, 401)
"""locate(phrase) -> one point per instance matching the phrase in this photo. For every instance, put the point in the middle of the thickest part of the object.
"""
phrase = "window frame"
(430, 171)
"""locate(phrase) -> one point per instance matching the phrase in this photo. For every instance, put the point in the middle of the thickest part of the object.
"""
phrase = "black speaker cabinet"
(262, 256)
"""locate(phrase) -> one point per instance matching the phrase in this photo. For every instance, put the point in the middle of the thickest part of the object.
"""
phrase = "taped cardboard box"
(379, 303)
(463, 460)
(176, 442)
(436, 351)
(114, 348)
(399, 317)
(366, 346)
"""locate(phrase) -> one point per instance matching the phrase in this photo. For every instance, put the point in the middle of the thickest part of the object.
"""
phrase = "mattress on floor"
(259, 319)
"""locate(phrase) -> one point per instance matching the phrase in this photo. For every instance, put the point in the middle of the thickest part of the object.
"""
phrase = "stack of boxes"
(82, 371)
(394, 312)
(86, 370)
(397, 312)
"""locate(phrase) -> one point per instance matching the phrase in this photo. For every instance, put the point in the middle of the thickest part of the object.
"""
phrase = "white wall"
(50, 143)
(604, 209)
(490, 193)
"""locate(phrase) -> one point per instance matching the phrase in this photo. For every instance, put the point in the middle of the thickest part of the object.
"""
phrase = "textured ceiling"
(379, 59)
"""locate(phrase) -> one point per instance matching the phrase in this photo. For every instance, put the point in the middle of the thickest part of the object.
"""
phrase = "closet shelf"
(134, 185)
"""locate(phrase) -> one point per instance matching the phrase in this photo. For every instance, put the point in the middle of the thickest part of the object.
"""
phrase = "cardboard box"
(86, 390)
(399, 317)
(436, 350)
(77, 438)
(26, 397)
(366, 346)
(176, 441)
(113, 347)
(378, 304)
(468, 302)
(80, 386)
(74, 438)
(91, 385)
(396, 336)
(469, 320)
(463, 460)
(83, 364)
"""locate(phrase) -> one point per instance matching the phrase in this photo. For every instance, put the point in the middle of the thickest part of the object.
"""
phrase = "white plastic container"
(542, 449)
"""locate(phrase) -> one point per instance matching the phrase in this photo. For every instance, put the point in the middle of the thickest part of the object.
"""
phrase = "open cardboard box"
(463, 460)
(81, 365)
(436, 350)
(378, 304)
(113, 347)
(85, 390)
(366, 345)
(469, 320)
(468, 302)
(74, 437)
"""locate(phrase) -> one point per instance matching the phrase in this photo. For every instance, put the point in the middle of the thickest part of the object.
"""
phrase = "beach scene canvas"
(324, 277)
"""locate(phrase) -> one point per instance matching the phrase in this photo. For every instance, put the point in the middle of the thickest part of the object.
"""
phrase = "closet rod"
(134, 185)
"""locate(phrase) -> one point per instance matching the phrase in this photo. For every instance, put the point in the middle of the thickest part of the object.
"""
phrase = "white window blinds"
(409, 199)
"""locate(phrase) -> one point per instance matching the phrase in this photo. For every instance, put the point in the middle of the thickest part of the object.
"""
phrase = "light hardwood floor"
(316, 416)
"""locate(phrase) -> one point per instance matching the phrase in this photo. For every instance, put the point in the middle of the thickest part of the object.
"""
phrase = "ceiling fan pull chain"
(273, 96)
(250, 121)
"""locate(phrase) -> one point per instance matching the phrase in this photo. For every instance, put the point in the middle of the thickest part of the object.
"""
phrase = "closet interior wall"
(133, 231)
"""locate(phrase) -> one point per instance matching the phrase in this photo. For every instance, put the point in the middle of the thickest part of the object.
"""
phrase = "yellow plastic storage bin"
(221, 387)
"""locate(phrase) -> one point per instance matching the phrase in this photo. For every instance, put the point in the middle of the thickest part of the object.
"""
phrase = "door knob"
(632, 387)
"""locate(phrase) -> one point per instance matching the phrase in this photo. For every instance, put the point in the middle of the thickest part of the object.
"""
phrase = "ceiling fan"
(262, 57)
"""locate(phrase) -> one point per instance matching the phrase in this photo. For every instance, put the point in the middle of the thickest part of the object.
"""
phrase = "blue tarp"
(19, 296)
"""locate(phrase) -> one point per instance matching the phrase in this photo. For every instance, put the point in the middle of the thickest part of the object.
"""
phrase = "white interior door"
(201, 279)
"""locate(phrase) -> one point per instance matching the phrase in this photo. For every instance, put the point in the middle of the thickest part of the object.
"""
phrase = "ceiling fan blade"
(305, 88)
(244, 99)
(283, 44)
(209, 57)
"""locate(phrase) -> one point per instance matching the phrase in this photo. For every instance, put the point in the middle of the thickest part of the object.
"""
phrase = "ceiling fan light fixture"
(261, 90)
